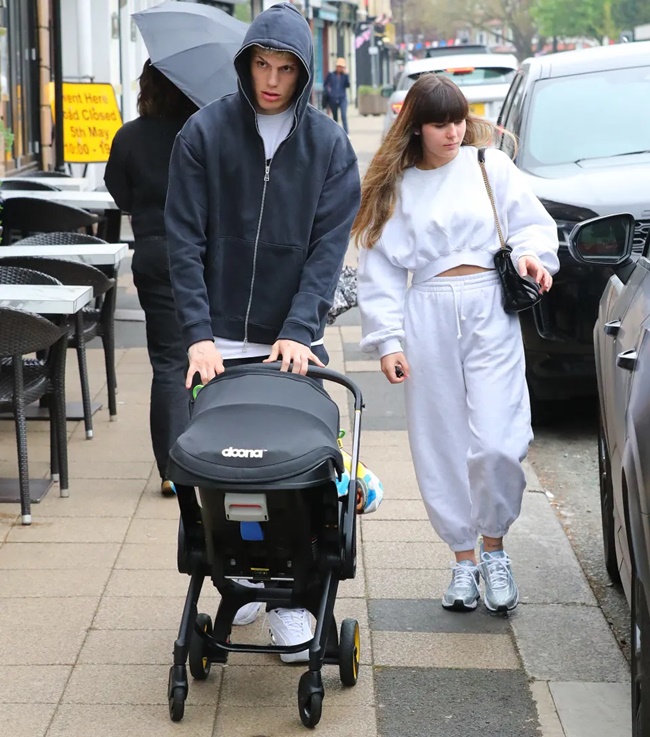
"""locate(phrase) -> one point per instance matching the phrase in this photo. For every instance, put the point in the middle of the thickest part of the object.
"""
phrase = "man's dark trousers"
(169, 408)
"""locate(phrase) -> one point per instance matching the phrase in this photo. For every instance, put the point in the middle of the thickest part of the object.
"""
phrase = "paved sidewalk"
(90, 598)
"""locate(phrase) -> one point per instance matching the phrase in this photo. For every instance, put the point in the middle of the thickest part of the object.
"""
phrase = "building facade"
(25, 75)
(44, 43)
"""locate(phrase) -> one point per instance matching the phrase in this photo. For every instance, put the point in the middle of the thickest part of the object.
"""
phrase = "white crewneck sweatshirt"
(443, 219)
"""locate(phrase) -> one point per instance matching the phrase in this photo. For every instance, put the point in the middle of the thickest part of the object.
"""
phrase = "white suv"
(483, 78)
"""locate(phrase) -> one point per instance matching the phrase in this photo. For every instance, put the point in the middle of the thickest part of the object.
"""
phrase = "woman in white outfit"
(425, 211)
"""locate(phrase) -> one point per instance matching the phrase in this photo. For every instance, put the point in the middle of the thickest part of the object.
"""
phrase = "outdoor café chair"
(28, 215)
(97, 320)
(26, 380)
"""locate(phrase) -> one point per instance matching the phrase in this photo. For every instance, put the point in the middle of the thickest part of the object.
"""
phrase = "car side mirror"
(387, 91)
(605, 240)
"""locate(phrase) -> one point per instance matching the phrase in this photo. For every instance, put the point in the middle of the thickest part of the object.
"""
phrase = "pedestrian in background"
(336, 85)
(137, 177)
(262, 195)
(425, 210)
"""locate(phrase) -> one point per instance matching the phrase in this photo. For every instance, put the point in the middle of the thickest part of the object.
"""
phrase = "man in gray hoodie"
(263, 190)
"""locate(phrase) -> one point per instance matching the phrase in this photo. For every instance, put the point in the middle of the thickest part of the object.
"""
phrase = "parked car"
(459, 49)
(622, 350)
(483, 78)
(581, 118)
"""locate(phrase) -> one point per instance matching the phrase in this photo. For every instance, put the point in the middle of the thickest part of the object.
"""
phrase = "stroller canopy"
(257, 426)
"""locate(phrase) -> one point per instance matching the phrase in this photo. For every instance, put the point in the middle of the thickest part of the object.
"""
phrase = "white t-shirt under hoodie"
(443, 219)
(273, 130)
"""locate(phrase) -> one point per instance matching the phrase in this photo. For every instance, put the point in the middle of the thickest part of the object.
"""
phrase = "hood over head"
(283, 28)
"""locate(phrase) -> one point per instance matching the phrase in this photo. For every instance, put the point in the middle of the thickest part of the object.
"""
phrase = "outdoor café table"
(85, 200)
(95, 254)
(43, 299)
(97, 201)
(74, 184)
(101, 255)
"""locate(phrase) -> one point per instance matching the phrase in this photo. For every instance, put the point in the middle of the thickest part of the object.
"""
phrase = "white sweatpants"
(467, 405)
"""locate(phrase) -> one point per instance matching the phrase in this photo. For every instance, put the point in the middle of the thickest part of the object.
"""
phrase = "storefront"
(20, 96)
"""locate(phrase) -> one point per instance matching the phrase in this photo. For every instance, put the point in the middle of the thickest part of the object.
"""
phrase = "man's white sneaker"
(249, 612)
(291, 627)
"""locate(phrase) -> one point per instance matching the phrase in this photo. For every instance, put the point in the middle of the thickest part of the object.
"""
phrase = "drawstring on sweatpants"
(458, 309)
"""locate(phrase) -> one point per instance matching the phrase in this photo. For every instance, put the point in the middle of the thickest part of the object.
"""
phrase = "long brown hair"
(432, 99)
(161, 98)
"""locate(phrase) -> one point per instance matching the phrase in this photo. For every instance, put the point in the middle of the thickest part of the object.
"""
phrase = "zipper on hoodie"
(267, 173)
(267, 177)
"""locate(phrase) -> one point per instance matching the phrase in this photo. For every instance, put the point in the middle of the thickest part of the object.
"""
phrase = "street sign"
(91, 118)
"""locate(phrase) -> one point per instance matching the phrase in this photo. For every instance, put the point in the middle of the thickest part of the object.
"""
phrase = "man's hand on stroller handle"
(205, 360)
(293, 353)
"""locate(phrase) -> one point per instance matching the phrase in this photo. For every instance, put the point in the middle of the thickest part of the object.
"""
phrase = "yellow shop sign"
(91, 118)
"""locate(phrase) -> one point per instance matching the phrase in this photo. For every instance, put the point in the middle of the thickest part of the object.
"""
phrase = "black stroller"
(255, 474)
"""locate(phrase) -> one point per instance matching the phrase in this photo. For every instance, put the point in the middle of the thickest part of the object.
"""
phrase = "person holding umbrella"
(136, 176)
(263, 190)
(184, 41)
(336, 85)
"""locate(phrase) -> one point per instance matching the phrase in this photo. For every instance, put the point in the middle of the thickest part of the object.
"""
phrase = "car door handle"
(612, 328)
(627, 360)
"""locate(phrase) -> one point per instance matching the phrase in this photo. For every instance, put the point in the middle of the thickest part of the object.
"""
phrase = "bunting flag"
(362, 38)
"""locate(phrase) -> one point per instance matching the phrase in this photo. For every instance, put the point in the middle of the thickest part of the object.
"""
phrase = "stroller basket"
(255, 473)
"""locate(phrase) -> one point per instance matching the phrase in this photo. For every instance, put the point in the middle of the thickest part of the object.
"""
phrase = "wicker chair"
(28, 184)
(58, 239)
(28, 215)
(107, 318)
(35, 174)
(23, 381)
(90, 322)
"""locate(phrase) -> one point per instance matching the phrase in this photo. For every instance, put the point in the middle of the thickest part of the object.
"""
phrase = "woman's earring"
(416, 133)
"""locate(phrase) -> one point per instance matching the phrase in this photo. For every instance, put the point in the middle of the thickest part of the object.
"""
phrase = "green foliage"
(366, 89)
(7, 135)
(591, 18)
(243, 12)
(630, 13)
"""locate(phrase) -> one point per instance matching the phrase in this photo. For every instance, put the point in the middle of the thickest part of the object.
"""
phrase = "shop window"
(19, 81)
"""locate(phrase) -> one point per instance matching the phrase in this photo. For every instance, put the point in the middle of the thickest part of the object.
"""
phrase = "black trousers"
(169, 409)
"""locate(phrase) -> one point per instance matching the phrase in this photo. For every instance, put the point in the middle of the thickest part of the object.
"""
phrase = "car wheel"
(640, 639)
(607, 507)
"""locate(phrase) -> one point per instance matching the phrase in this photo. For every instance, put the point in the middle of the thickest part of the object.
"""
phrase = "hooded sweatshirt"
(256, 247)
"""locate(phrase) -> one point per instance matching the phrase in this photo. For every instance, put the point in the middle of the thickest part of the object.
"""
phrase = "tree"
(514, 16)
(422, 17)
(591, 18)
(631, 13)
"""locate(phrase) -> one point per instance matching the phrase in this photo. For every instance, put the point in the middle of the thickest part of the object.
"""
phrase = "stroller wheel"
(199, 662)
(310, 698)
(177, 704)
(349, 652)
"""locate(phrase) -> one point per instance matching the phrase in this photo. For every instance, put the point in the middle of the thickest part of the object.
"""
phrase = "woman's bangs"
(443, 104)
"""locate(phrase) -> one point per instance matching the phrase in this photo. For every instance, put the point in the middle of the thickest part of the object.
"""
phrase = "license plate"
(477, 108)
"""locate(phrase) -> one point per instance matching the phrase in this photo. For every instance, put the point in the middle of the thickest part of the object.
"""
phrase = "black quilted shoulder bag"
(519, 292)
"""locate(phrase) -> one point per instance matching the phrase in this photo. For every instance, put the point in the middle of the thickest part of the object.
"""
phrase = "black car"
(622, 347)
(581, 119)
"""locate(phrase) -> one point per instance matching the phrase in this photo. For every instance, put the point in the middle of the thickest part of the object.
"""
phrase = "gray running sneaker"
(501, 592)
(463, 592)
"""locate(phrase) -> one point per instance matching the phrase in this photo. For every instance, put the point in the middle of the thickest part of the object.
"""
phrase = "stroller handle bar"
(315, 372)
